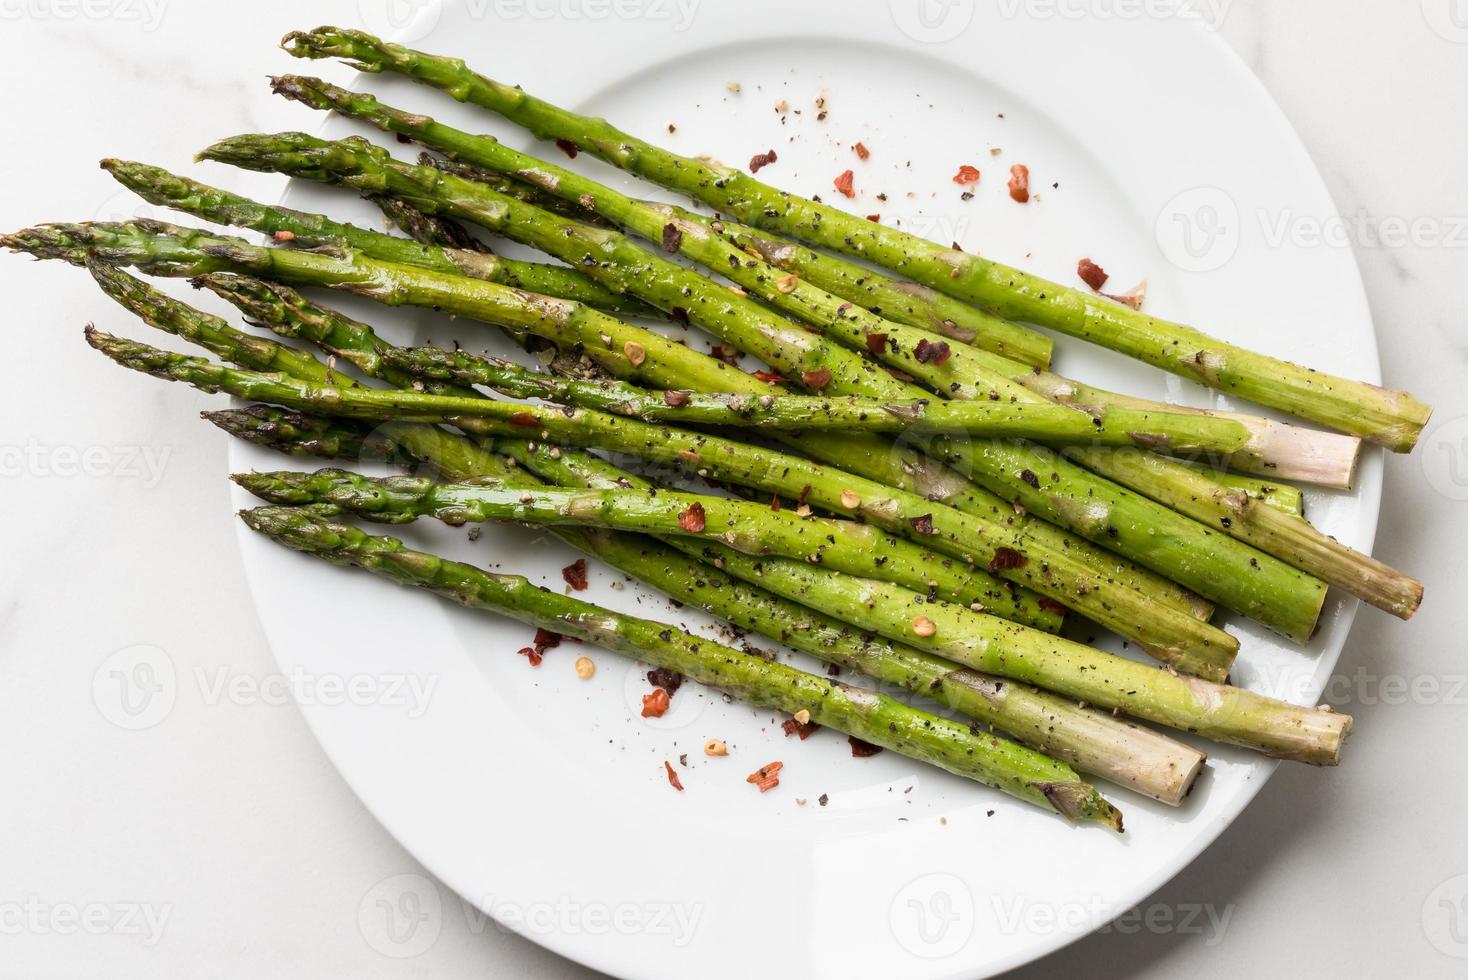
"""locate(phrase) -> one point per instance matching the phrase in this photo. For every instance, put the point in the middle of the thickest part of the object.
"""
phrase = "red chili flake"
(568, 148)
(724, 352)
(816, 379)
(1091, 274)
(923, 524)
(766, 777)
(843, 183)
(285, 236)
(770, 378)
(874, 218)
(876, 342)
(928, 352)
(532, 655)
(1006, 558)
(860, 749)
(1019, 183)
(861, 151)
(668, 680)
(692, 519)
(655, 704)
(672, 238)
(792, 727)
(676, 399)
(761, 160)
(546, 640)
(575, 574)
(1050, 605)
(775, 503)
(966, 175)
(804, 492)
(673, 779)
(524, 419)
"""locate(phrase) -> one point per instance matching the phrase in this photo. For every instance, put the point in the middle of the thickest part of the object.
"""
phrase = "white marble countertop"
(221, 840)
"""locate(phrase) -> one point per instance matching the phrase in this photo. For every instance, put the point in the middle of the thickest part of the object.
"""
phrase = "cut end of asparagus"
(1081, 801)
(1304, 455)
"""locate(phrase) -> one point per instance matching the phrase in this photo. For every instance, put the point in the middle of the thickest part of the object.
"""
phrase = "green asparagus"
(872, 717)
(1390, 418)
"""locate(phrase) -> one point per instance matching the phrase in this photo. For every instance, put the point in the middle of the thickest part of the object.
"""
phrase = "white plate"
(541, 798)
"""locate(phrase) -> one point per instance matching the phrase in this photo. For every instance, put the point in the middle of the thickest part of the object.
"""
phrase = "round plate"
(541, 798)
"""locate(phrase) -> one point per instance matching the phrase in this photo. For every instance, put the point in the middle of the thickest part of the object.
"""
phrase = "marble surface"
(220, 839)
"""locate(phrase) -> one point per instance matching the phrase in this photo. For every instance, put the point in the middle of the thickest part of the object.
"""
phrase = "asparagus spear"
(432, 230)
(1215, 566)
(1046, 423)
(1277, 450)
(872, 717)
(158, 186)
(1168, 634)
(1107, 592)
(1390, 418)
(1125, 753)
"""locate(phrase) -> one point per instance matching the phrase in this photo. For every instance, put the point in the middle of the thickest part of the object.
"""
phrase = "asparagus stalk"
(1171, 635)
(872, 717)
(1278, 533)
(432, 230)
(1282, 497)
(1046, 423)
(158, 186)
(672, 365)
(1107, 596)
(1131, 756)
(1390, 418)
(1275, 449)
(1179, 547)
